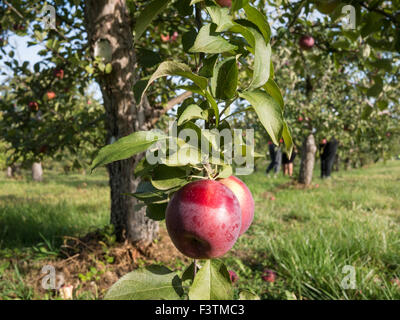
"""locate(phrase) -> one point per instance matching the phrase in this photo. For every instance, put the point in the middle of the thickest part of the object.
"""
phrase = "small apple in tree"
(33, 105)
(306, 42)
(58, 73)
(51, 95)
(246, 201)
(174, 36)
(300, 119)
(203, 219)
(165, 38)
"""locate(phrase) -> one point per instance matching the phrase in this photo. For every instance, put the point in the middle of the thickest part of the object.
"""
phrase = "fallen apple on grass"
(233, 276)
(269, 276)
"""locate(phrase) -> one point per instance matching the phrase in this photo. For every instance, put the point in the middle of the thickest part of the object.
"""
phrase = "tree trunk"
(307, 160)
(110, 21)
(37, 171)
(9, 172)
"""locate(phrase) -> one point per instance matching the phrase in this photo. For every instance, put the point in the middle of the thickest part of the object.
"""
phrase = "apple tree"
(187, 174)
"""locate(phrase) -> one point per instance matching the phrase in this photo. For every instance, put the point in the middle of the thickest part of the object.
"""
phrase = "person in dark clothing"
(276, 158)
(288, 163)
(328, 153)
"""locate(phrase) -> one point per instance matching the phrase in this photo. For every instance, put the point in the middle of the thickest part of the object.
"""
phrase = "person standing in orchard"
(288, 162)
(328, 153)
(275, 153)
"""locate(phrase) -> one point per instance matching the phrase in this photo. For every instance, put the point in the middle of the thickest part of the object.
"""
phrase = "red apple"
(174, 36)
(300, 119)
(51, 95)
(269, 275)
(388, 134)
(326, 6)
(246, 201)
(164, 38)
(234, 277)
(33, 105)
(225, 3)
(273, 198)
(306, 42)
(324, 141)
(58, 73)
(203, 219)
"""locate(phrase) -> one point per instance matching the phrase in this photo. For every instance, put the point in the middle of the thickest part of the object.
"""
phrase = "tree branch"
(170, 104)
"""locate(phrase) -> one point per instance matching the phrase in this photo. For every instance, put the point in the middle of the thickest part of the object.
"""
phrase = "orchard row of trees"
(338, 82)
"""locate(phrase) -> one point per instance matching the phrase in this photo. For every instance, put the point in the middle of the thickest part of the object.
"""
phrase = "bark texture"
(9, 172)
(307, 160)
(37, 171)
(109, 21)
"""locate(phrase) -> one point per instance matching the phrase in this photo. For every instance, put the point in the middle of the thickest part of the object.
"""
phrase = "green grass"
(61, 205)
(306, 235)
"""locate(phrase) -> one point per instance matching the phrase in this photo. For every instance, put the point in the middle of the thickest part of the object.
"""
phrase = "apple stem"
(194, 268)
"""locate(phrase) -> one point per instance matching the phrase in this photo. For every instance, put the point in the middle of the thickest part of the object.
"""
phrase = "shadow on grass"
(27, 222)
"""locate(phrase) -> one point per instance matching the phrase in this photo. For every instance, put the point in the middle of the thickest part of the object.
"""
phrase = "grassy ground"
(307, 236)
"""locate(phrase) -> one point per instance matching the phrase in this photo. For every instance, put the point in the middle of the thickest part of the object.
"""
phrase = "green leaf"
(152, 283)
(148, 58)
(188, 39)
(212, 282)
(366, 112)
(166, 178)
(272, 88)
(147, 193)
(208, 66)
(148, 14)
(138, 89)
(376, 89)
(126, 147)
(208, 41)
(156, 211)
(287, 138)
(260, 20)
(220, 16)
(239, 4)
(247, 295)
(225, 78)
(171, 68)
(188, 274)
(191, 112)
(262, 61)
(268, 110)
(226, 172)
